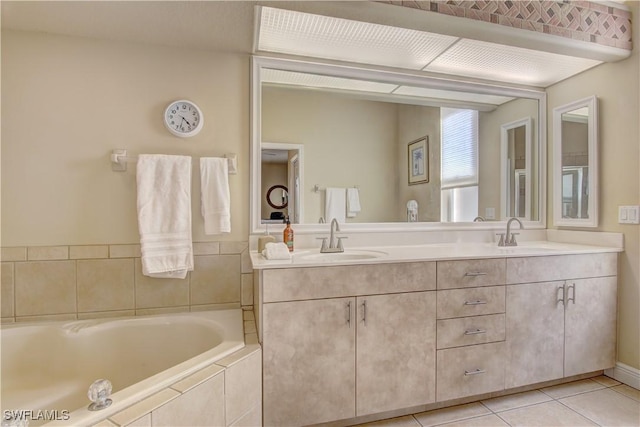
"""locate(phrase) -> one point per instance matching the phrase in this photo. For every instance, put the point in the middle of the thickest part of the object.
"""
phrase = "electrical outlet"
(629, 214)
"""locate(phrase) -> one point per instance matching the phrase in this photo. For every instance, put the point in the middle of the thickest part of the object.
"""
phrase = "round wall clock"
(183, 118)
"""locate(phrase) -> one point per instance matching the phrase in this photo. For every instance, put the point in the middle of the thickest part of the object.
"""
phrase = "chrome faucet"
(510, 238)
(333, 246)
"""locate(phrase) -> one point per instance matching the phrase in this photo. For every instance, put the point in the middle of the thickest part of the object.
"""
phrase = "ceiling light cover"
(450, 95)
(473, 58)
(297, 33)
(319, 81)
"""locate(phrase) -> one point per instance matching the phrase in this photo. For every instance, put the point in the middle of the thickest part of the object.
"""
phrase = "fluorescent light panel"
(450, 95)
(297, 33)
(491, 61)
(325, 82)
(310, 35)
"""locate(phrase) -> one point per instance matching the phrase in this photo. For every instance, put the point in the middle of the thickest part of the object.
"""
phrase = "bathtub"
(49, 366)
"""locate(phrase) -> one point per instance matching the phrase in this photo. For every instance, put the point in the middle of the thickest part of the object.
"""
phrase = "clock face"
(183, 118)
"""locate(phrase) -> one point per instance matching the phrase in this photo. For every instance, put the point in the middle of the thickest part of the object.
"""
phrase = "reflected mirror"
(575, 164)
(358, 127)
(281, 180)
(516, 161)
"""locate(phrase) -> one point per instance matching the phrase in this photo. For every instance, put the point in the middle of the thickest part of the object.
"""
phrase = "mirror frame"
(408, 77)
(527, 122)
(591, 103)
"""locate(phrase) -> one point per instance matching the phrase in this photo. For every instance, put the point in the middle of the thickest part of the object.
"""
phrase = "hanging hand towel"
(353, 202)
(216, 200)
(164, 215)
(335, 204)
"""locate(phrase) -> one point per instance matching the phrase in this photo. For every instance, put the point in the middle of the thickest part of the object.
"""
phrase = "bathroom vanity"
(384, 330)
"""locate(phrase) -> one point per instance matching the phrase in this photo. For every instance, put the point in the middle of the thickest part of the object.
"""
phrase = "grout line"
(576, 412)
(505, 421)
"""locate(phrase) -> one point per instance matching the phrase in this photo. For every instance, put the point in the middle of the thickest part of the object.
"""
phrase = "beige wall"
(336, 130)
(617, 87)
(67, 102)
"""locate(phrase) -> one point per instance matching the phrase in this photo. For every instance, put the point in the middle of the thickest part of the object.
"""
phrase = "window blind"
(459, 130)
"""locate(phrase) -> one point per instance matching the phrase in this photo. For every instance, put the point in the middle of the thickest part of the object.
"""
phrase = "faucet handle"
(324, 243)
(501, 242)
(340, 247)
(513, 242)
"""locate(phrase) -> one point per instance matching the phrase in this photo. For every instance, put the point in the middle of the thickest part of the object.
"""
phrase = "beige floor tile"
(516, 401)
(606, 407)
(545, 414)
(628, 391)
(606, 381)
(570, 389)
(484, 421)
(455, 413)
(407, 421)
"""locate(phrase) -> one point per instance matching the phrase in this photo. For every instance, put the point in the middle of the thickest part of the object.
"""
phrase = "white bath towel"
(216, 199)
(353, 202)
(164, 215)
(335, 204)
(276, 251)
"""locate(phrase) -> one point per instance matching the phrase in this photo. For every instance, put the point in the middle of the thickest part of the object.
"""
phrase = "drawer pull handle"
(476, 302)
(474, 372)
(475, 274)
(475, 332)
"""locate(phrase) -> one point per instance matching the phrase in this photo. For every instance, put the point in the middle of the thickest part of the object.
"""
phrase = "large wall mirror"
(356, 126)
(575, 164)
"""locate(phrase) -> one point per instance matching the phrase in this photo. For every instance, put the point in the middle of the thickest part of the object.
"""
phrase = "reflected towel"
(335, 205)
(164, 215)
(276, 251)
(216, 199)
(353, 202)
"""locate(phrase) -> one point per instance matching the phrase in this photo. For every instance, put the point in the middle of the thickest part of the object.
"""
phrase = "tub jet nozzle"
(99, 393)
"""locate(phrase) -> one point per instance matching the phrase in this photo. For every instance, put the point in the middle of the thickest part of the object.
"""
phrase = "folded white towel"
(335, 204)
(164, 215)
(216, 199)
(353, 202)
(276, 251)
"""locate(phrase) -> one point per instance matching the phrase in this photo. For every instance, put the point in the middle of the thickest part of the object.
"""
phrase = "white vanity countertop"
(427, 252)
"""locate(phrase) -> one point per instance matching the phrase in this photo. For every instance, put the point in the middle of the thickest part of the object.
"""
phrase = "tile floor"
(599, 401)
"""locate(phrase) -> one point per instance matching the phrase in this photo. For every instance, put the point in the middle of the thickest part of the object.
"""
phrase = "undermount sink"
(347, 255)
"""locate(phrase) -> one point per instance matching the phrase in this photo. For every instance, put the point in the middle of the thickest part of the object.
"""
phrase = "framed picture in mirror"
(418, 155)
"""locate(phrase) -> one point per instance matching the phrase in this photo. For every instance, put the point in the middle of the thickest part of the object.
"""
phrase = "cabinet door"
(535, 333)
(309, 361)
(590, 325)
(396, 351)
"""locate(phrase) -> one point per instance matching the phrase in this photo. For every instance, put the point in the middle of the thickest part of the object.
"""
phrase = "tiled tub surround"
(138, 355)
(82, 282)
(357, 319)
(226, 393)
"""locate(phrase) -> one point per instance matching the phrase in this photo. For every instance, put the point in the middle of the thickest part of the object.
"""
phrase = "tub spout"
(99, 393)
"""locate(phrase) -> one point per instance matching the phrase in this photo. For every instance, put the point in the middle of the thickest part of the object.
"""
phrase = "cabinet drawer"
(467, 371)
(470, 302)
(471, 273)
(561, 267)
(470, 330)
(292, 284)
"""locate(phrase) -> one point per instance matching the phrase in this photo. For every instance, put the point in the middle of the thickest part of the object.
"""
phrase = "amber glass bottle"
(287, 236)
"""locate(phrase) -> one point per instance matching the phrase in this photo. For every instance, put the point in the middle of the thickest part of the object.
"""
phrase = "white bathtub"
(50, 365)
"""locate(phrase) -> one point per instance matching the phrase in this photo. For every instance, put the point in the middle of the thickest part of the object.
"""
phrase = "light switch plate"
(490, 213)
(629, 214)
